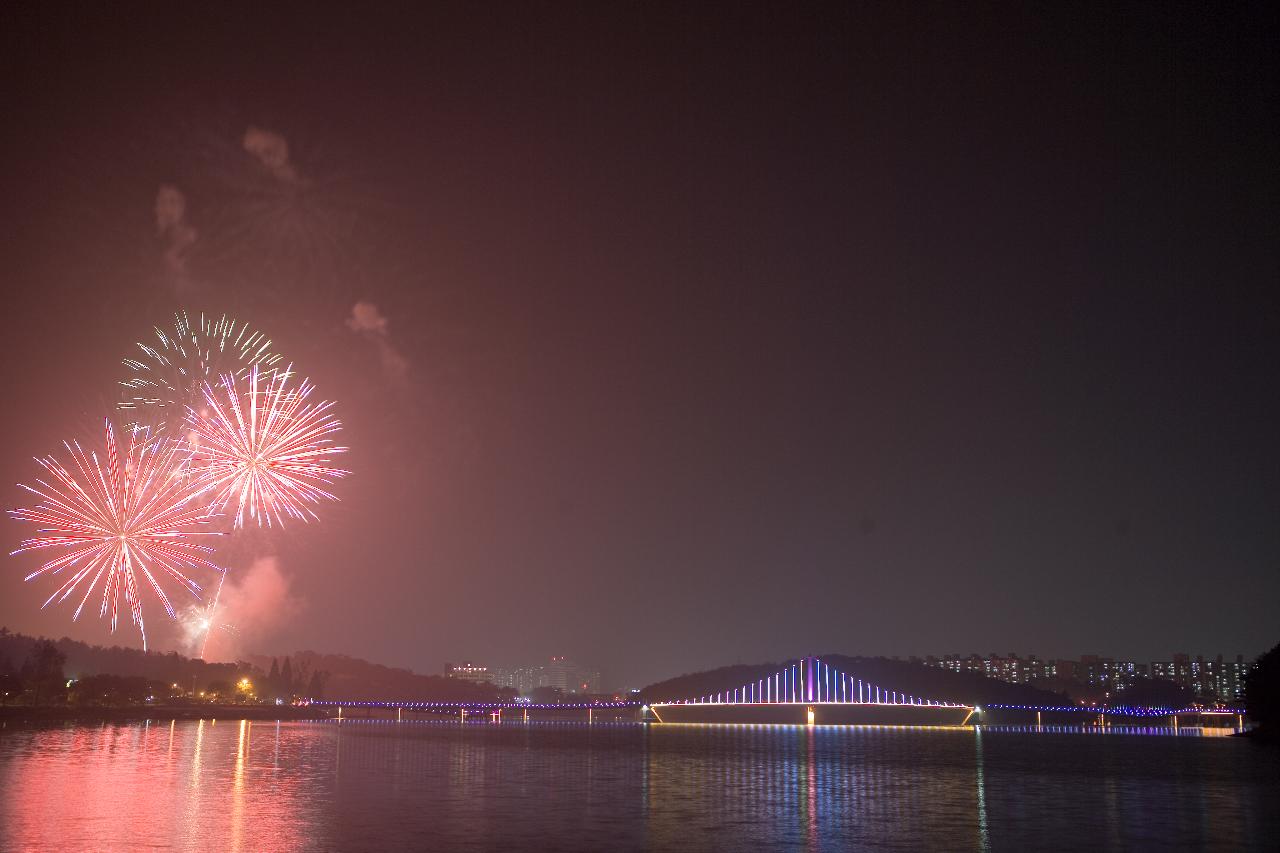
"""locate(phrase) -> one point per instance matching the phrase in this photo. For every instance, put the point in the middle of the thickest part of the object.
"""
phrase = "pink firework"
(117, 520)
(268, 449)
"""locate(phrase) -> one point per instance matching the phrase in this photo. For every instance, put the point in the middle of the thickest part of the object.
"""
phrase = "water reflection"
(237, 789)
(811, 788)
(126, 787)
(811, 798)
(439, 785)
(984, 841)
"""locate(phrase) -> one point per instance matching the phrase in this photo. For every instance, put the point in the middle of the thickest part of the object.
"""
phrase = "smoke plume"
(272, 151)
(255, 604)
(172, 229)
(366, 320)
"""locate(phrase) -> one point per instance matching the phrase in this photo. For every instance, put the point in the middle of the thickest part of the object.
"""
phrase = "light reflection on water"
(366, 785)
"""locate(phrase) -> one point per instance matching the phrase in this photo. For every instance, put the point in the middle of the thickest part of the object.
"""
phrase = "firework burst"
(169, 375)
(268, 450)
(117, 520)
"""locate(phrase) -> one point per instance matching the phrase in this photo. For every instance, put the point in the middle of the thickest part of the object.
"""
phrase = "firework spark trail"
(213, 608)
(171, 372)
(118, 519)
(269, 453)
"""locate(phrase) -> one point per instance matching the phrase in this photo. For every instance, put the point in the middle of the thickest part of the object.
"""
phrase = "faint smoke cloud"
(365, 317)
(368, 321)
(272, 151)
(255, 604)
(175, 234)
(171, 208)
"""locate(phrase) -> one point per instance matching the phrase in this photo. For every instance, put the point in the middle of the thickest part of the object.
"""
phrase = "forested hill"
(307, 674)
(355, 678)
(905, 677)
(83, 660)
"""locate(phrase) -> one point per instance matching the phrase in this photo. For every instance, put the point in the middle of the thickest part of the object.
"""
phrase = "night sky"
(710, 335)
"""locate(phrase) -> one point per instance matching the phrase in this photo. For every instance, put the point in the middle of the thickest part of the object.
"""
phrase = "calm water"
(441, 786)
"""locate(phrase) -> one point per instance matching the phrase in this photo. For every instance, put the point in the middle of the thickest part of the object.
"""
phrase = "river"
(380, 785)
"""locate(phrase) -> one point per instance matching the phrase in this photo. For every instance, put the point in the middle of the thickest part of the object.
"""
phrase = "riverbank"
(14, 713)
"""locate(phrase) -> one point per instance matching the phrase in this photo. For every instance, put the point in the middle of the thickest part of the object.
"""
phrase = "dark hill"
(85, 660)
(340, 676)
(354, 678)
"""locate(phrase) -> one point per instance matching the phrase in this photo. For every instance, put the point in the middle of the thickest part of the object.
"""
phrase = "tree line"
(41, 671)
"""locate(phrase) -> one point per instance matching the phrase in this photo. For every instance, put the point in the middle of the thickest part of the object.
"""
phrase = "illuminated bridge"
(811, 691)
(807, 692)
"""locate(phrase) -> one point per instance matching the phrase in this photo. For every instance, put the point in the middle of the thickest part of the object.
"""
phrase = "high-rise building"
(1229, 678)
(1209, 679)
(570, 677)
(1010, 667)
(520, 679)
(559, 672)
(1213, 679)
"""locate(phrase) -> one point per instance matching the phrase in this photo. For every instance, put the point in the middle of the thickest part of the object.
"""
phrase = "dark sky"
(902, 328)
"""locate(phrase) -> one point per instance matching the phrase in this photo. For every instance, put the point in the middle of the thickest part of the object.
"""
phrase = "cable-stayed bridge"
(810, 690)
(810, 680)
